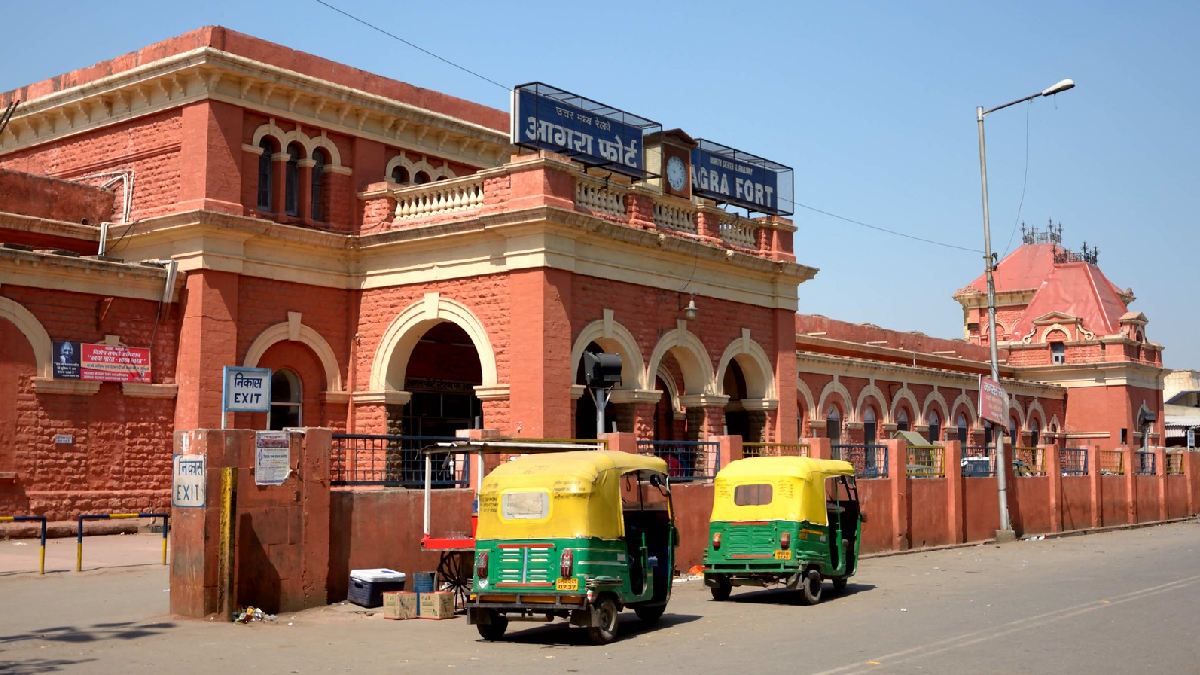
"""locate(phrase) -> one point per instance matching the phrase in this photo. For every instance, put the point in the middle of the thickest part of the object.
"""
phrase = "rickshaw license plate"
(783, 555)
(566, 585)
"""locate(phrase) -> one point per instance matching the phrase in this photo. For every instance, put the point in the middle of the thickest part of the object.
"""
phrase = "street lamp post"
(988, 266)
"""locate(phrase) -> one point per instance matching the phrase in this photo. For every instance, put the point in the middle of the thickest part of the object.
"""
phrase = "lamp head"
(690, 311)
(1058, 87)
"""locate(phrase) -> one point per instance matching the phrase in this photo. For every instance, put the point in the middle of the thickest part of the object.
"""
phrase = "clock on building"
(676, 173)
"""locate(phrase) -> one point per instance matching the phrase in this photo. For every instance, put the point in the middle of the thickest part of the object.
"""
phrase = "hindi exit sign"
(246, 389)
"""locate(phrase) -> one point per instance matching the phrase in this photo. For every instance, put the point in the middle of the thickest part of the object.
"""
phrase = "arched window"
(935, 426)
(987, 433)
(902, 420)
(421, 178)
(285, 400)
(1013, 429)
(291, 196)
(833, 425)
(266, 173)
(400, 175)
(869, 430)
(1035, 432)
(961, 423)
(320, 161)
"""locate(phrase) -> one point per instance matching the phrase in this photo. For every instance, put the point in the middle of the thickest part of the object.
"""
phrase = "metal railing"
(1174, 463)
(166, 527)
(977, 462)
(926, 461)
(1073, 461)
(393, 461)
(686, 460)
(1147, 463)
(1029, 462)
(32, 519)
(775, 450)
(1112, 463)
(870, 461)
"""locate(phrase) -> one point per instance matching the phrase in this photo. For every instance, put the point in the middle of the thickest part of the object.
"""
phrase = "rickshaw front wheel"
(606, 614)
(494, 628)
(650, 615)
(722, 589)
(810, 587)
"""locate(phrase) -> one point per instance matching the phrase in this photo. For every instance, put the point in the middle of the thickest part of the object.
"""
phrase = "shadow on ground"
(782, 596)
(38, 666)
(123, 630)
(561, 633)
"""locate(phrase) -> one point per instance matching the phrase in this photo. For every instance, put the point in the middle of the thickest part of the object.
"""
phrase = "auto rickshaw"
(790, 521)
(577, 535)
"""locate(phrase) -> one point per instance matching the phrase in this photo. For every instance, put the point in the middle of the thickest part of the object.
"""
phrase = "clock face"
(676, 174)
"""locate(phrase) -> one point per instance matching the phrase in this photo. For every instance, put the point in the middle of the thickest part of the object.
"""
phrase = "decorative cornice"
(392, 397)
(825, 364)
(82, 274)
(208, 73)
(45, 385)
(495, 392)
(148, 390)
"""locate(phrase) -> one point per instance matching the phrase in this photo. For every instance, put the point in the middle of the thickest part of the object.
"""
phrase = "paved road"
(1116, 602)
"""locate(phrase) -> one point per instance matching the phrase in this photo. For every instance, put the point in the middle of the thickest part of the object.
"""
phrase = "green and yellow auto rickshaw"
(578, 535)
(790, 521)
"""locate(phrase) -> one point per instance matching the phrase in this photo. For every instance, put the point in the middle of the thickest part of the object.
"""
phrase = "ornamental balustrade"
(441, 197)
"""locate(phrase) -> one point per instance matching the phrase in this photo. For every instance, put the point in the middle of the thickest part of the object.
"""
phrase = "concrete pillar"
(622, 442)
(207, 342)
(820, 448)
(731, 449)
(897, 453)
(1129, 458)
(1097, 485)
(1191, 467)
(952, 463)
(281, 532)
(540, 351)
(211, 175)
(1160, 464)
(304, 189)
(1053, 464)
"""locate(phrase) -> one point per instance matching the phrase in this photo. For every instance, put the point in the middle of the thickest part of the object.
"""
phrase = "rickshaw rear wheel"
(494, 629)
(606, 632)
(839, 584)
(721, 591)
(650, 615)
(810, 587)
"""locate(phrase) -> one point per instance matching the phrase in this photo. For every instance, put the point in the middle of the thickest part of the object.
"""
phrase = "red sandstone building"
(403, 269)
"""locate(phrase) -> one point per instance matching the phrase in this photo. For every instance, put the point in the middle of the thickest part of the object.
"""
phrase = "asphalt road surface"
(1117, 602)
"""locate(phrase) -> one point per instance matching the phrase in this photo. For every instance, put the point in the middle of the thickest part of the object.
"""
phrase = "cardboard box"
(400, 605)
(438, 605)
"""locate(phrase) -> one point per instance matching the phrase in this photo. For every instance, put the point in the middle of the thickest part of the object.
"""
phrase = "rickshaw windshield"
(560, 495)
(775, 488)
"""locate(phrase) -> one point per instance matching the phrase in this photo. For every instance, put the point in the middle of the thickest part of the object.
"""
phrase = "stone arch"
(692, 357)
(434, 173)
(805, 395)
(614, 338)
(285, 138)
(880, 400)
(34, 332)
(1015, 406)
(324, 142)
(964, 401)
(289, 331)
(1036, 412)
(398, 160)
(755, 365)
(838, 389)
(906, 394)
(1058, 327)
(672, 388)
(935, 398)
(398, 341)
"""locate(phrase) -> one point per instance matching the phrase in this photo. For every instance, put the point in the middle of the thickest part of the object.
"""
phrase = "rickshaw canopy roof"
(559, 495)
(796, 489)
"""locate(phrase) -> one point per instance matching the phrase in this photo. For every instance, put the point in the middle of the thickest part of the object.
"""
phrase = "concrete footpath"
(1116, 602)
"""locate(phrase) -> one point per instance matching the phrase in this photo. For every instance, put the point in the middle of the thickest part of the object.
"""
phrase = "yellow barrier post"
(225, 599)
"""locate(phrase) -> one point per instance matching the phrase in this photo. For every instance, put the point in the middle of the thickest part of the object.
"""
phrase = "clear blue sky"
(872, 103)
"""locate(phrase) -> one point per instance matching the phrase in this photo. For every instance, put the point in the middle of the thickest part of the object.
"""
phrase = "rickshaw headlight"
(481, 564)
(716, 541)
(785, 540)
(566, 564)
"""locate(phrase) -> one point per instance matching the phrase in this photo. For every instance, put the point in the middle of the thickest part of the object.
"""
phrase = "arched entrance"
(739, 421)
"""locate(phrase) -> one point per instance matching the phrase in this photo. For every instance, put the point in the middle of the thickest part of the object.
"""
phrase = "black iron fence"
(686, 460)
(394, 461)
(870, 461)
(977, 461)
(1073, 461)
